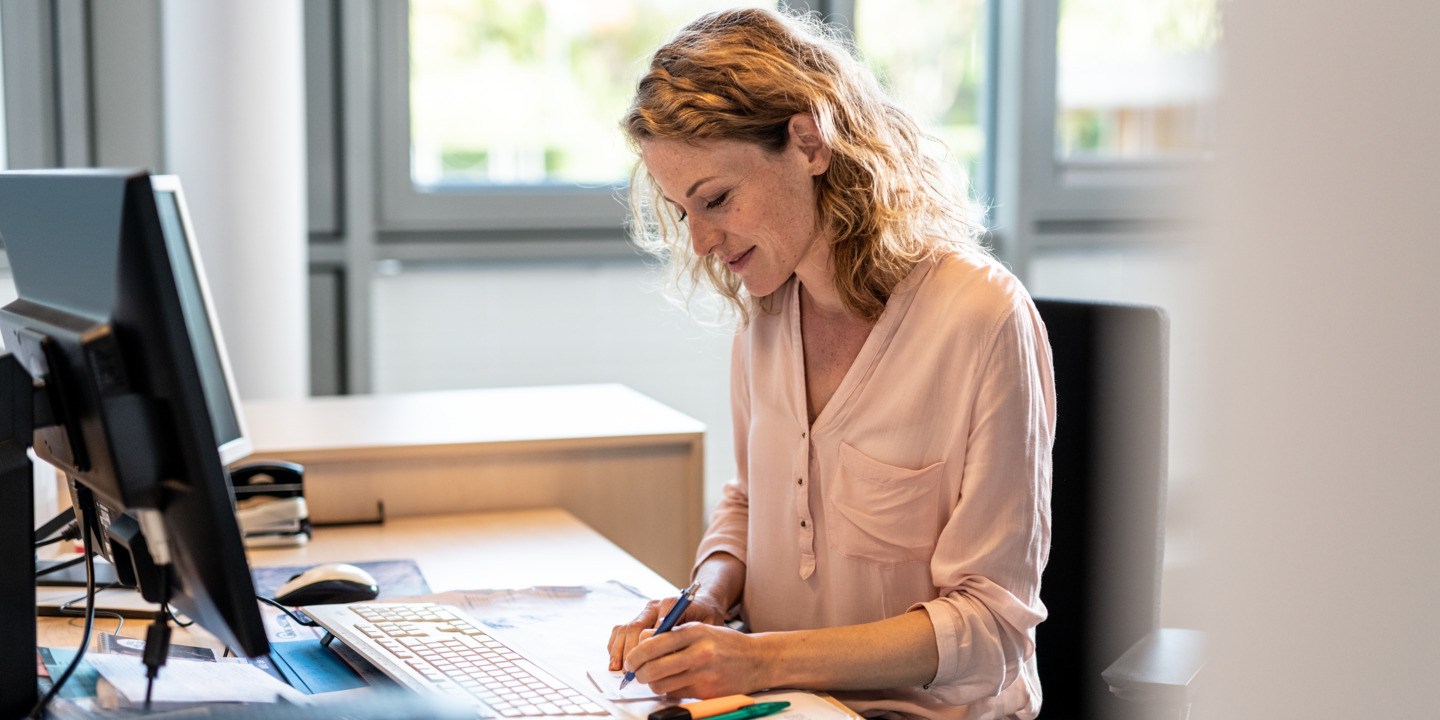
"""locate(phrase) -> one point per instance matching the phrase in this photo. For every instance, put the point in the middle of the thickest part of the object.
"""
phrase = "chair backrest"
(1101, 586)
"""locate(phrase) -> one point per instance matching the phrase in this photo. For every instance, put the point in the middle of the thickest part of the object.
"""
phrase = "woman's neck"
(816, 273)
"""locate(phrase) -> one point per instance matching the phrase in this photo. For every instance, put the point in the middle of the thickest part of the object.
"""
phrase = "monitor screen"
(204, 336)
(134, 400)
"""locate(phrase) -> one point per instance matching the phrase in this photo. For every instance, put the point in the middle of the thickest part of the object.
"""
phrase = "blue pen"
(669, 621)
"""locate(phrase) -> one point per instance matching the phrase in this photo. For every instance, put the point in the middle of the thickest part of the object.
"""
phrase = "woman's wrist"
(721, 577)
(772, 670)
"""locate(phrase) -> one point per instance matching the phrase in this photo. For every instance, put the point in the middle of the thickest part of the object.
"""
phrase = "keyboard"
(436, 649)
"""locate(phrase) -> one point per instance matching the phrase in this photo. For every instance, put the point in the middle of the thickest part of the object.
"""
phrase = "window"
(506, 116)
(936, 69)
(1135, 78)
(518, 92)
(4, 159)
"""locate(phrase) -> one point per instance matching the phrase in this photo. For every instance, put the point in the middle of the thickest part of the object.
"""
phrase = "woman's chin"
(762, 287)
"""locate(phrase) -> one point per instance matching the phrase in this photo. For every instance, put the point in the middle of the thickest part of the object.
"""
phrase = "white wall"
(1324, 490)
(511, 324)
(235, 134)
(1167, 275)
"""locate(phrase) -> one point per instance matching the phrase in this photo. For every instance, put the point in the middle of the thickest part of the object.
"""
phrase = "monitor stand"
(74, 576)
(18, 691)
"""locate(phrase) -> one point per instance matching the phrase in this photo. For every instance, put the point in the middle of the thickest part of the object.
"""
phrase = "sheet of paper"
(192, 681)
(608, 682)
(805, 706)
(568, 627)
(563, 629)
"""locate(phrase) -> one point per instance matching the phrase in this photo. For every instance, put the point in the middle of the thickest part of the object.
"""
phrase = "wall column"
(235, 134)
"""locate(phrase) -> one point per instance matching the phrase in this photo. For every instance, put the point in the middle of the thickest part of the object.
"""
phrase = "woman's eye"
(717, 201)
(683, 215)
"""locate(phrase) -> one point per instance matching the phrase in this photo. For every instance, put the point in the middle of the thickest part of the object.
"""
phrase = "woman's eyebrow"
(698, 183)
(692, 189)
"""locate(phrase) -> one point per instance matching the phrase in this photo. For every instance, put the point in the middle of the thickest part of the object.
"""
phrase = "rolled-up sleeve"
(730, 520)
(991, 552)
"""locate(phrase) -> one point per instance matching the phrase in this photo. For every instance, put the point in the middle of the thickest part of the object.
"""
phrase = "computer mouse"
(328, 584)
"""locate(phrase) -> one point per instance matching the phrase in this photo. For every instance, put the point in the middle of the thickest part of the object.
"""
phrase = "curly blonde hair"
(741, 75)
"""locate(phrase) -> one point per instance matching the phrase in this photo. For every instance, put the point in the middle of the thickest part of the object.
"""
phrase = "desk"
(624, 464)
(455, 552)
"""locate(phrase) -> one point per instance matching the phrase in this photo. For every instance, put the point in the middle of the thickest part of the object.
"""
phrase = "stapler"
(270, 504)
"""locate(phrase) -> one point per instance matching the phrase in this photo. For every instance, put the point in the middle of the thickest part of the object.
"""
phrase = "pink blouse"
(925, 482)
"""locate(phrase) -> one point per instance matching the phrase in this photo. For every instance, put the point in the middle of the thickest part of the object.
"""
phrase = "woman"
(890, 386)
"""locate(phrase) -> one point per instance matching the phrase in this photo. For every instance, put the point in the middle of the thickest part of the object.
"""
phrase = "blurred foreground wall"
(1323, 509)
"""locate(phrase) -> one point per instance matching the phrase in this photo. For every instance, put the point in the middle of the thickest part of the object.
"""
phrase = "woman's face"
(751, 208)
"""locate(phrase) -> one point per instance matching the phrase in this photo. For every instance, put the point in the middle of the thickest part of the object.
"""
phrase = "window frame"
(1086, 189)
(484, 208)
(1045, 202)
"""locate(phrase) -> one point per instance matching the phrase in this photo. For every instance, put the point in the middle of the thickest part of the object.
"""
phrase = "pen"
(753, 711)
(669, 621)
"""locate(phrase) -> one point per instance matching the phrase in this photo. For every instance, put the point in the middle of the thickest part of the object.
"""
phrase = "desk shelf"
(624, 464)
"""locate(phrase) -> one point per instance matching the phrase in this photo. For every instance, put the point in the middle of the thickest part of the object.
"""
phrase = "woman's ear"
(805, 137)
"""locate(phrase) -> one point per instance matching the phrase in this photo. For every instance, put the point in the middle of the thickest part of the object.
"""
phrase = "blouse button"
(802, 523)
(802, 435)
(800, 481)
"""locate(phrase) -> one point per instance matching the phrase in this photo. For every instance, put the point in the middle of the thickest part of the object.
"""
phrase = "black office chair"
(1102, 584)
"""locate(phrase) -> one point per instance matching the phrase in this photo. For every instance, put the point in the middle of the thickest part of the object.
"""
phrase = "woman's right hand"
(624, 638)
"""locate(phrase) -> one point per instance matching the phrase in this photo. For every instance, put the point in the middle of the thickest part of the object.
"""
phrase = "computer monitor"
(133, 398)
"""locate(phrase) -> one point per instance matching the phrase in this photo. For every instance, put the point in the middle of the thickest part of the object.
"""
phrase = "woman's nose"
(704, 237)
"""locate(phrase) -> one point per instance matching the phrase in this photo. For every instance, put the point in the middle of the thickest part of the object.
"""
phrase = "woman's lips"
(739, 261)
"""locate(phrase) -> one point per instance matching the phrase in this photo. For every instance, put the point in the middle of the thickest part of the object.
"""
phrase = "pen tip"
(624, 682)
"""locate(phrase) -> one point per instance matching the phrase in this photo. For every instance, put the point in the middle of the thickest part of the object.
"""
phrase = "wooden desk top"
(462, 417)
(455, 552)
(481, 550)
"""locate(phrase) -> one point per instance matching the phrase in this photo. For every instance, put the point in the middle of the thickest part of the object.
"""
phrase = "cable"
(176, 620)
(293, 616)
(72, 562)
(157, 642)
(69, 531)
(86, 532)
(64, 608)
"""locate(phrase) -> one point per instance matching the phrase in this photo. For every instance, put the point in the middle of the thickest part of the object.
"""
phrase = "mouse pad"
(396, 578)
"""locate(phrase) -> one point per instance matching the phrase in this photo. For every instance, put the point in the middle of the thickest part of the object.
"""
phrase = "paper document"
(806, 705)
(190, 681)
(567, 626)
(608, 682)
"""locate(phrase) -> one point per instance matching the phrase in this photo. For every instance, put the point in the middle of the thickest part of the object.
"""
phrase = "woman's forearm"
(896, 652)
(722, 580)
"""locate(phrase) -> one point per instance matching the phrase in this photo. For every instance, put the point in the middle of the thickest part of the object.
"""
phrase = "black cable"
(176, 620)
(157, 637)
(87, 534)
(293, 616)
(64, 608)
(157, 641)
(72, 562)
(69, 531)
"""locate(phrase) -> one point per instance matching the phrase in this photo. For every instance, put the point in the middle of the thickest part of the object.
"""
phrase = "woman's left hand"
(696, 660)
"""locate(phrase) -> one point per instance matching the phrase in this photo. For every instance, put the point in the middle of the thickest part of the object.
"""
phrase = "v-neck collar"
(870, 351)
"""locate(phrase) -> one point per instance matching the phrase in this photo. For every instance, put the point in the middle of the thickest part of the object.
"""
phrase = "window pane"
(931, 55)
(518, 92)
(4, 160)
(1135, 78)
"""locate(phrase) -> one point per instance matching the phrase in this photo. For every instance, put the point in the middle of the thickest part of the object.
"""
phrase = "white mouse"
(326, 584)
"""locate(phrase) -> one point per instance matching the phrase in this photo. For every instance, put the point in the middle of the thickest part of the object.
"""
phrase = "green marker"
(752, 711)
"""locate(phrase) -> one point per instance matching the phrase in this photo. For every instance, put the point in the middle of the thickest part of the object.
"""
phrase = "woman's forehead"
(674, 161)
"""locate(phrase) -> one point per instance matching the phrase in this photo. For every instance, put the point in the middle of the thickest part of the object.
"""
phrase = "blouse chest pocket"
(883, 514)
